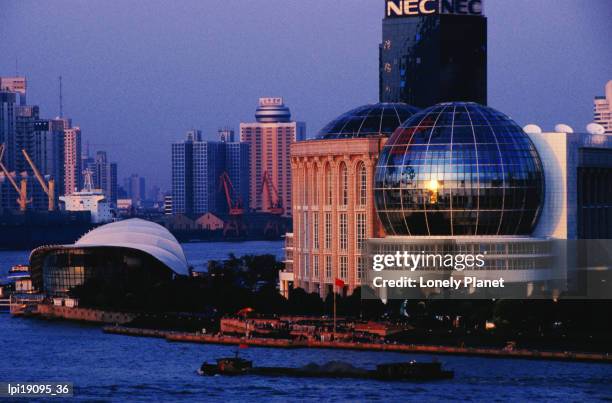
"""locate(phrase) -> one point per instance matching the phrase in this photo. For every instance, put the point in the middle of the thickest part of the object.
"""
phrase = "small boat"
(403, 371)
(227, 366)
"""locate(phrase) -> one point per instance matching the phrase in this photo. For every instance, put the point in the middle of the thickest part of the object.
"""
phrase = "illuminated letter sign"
(411, 8)
(271, 101)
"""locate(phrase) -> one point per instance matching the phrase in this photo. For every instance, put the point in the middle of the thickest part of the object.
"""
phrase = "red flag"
(339, 283)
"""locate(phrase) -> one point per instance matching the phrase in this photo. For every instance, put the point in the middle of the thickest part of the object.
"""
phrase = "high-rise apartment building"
(226, 135)
(603, 109)
(433, 51)
(72, 160)
(270, 139)
(237, 165)
(136, 188)
(104, 176)
(197, 167)
(49, 150)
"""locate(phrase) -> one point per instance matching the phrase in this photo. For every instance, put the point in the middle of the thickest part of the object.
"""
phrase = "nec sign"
(413, 8)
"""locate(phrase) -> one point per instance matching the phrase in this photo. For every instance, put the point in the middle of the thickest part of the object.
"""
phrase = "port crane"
(47, 187)
(275, 225)
(21, 189)
(274, 205)
(235, 223)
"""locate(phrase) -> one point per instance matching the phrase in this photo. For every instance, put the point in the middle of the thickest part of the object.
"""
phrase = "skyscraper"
(226, 135)
(49, 150)
(433, 51)
(270, 139)
(603, 109)
(136, 188)
(196, 168)
(105, 176)
(237, 166)
(72, 160)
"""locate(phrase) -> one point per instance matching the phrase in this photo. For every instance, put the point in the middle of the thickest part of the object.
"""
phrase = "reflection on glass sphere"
(459, 168)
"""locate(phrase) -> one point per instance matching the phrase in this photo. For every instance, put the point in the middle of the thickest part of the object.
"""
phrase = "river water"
(107, 367)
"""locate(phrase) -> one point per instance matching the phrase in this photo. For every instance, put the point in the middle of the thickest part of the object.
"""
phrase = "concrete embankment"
(403, 348)
(83, 314)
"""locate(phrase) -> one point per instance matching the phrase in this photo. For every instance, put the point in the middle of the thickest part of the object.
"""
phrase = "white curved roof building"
(108, 248)
(142, 235)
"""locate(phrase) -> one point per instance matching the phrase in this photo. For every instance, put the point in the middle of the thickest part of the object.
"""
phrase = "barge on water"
(403, 371)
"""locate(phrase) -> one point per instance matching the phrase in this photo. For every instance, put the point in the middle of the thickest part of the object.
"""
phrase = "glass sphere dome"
(368, 120)
(459, 168)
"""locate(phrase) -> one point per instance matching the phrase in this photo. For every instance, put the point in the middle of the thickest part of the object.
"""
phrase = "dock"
(173, 336)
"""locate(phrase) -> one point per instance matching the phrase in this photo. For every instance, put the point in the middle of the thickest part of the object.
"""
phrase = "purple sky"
(138, 74)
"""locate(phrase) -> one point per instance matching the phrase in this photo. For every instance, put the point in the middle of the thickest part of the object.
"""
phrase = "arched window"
(362, 184)
(328, 186)
(315, 186)
(344, 193)
(305, 181)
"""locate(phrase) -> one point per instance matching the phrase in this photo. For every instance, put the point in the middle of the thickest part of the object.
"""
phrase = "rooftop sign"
(414, 8)
(271, 101)
(13, 84)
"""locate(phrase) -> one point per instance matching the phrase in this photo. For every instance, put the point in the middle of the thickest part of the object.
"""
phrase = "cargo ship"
(32, 229)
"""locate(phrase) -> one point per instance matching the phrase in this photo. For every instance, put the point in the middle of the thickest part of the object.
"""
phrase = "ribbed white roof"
(142, 235)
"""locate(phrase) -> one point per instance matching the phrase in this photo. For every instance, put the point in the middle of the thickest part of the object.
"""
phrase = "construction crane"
(274, 205)
(48, 188)
(234, 224)
(275, 226)
(21, 189)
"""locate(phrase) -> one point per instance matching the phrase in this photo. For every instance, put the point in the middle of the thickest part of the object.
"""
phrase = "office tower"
(270, 139)
(104, 175)
(7, 127)
(238, 167)
(136, 188)
(226, 135)
(433, 51)
(603, 109)
(72, 160)
(196, 168)
(16, 85)
(49, 150)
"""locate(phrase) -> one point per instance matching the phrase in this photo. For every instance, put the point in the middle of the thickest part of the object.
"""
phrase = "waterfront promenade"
(173, 336)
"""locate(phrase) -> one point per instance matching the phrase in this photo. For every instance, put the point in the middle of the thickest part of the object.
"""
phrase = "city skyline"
(140, 98)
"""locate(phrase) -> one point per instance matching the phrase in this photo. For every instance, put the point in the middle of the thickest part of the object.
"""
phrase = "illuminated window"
(344, 184)
(304, 231)
(328, 186)
(360, 222)
(328, 231)
(315, 187)
(362, 190)
(343, 228)
(343, 267)
(315, 231)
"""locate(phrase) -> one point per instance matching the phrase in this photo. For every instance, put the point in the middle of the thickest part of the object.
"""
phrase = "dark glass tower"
(434, 53)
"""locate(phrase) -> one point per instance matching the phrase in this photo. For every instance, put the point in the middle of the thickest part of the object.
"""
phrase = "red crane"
(235, 208)
(275, 225)
(274, 204)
